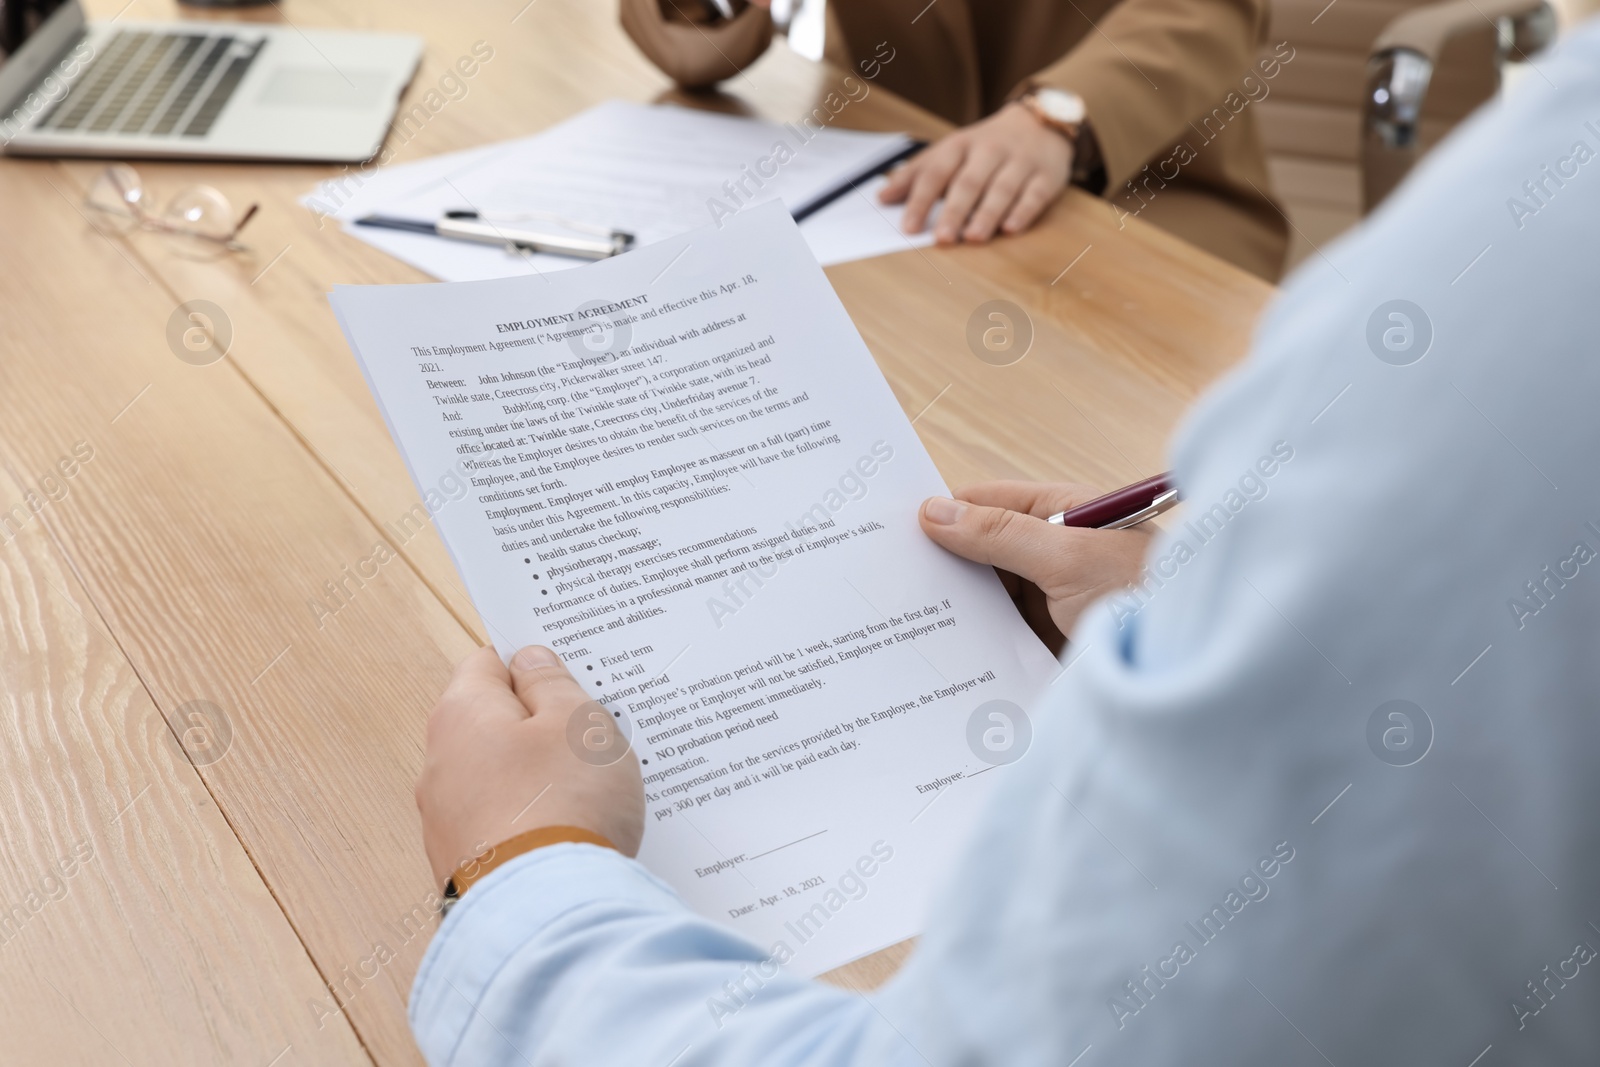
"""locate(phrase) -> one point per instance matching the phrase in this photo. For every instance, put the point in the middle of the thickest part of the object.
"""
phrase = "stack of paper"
(654, 172)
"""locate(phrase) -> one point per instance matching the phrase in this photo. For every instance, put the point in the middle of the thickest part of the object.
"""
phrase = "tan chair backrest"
(1311, 121)
(1316, 104)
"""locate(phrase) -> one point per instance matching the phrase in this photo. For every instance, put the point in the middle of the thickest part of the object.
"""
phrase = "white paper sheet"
(708, 506)
(654, 171)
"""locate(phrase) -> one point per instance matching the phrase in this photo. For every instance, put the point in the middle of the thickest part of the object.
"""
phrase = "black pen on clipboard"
(817, 203)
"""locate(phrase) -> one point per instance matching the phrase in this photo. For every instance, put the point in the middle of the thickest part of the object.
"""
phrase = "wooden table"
(255, 896)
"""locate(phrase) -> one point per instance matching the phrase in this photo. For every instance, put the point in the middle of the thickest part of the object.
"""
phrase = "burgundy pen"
(1128, 506)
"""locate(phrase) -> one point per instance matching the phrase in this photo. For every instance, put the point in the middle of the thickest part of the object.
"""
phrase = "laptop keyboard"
(155, 85)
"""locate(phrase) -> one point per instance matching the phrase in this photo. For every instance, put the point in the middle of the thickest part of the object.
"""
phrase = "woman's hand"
(1052, 572)
(1001, 172)
(504, 758)
(692, 47)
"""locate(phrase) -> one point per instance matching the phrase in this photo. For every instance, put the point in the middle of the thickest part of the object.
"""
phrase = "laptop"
(194, 90)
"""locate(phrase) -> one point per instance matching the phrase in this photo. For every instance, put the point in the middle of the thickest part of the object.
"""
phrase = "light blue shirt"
(1324, 789)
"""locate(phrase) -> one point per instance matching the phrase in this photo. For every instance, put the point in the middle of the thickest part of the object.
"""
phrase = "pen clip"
(1165, 502)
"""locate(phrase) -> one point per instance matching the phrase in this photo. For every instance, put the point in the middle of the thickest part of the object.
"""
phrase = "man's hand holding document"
(688, 477)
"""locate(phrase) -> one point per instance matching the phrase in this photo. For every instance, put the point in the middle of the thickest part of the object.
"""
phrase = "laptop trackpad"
(323, 87)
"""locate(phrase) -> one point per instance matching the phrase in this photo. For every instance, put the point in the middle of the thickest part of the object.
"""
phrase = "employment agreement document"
(688, 477)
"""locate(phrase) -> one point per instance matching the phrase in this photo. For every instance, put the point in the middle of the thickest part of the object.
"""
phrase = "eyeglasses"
(198, 212)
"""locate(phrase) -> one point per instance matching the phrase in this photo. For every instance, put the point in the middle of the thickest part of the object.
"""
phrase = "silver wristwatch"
(1058, 109)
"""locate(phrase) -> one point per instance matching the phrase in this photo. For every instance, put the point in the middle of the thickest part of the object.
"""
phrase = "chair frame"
(1402, 64)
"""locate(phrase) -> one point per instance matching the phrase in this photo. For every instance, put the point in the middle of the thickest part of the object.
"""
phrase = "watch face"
(1058, 106)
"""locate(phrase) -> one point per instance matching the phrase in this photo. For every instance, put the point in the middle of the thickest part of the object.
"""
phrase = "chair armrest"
(1401, 66)
(1424, 30)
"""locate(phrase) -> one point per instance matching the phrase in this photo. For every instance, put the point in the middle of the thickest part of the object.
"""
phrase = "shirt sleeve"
(576, 954)
(1149, 67)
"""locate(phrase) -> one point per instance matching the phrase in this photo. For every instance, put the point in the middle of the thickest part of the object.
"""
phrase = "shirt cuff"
(479, 867)
(507, 909)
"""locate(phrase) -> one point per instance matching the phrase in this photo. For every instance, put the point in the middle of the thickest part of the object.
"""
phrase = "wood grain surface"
(236, 910)
(133, 926)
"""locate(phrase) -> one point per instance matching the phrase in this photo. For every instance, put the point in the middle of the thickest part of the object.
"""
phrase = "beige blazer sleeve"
(1149, 67)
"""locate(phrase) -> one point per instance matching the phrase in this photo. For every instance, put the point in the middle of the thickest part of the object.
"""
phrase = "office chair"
(1335, 144)
(1401, 67)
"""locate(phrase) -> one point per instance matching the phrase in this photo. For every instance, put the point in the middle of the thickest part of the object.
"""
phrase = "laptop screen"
(20, 19)
(34, 36)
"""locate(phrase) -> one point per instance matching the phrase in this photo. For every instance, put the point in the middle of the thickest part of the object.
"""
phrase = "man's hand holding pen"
(1051, 571)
